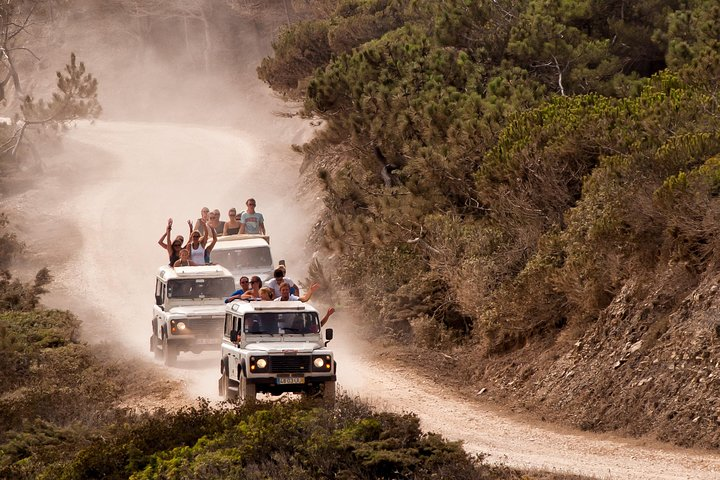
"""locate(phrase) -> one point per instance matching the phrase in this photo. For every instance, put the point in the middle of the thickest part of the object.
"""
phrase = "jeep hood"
(203, 310)
(280, 347)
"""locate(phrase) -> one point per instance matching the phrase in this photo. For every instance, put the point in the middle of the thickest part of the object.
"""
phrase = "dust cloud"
(174, 137)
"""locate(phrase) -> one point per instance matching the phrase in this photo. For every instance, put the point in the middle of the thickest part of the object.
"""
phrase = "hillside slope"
(531, 187)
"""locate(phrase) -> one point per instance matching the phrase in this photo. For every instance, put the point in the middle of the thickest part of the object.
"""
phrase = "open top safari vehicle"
(275, 347)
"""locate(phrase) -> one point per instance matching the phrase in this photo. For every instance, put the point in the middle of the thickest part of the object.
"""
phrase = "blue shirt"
(236, 292)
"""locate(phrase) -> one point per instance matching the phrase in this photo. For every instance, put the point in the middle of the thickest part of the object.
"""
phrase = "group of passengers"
(279, 289)
(203, 235)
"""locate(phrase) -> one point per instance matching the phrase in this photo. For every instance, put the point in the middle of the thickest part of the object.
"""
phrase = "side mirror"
(233, 336)
(329, 334)
(158, 300)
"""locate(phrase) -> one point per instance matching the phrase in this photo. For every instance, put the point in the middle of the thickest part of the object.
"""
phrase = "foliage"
(527, 157)
(293, 440)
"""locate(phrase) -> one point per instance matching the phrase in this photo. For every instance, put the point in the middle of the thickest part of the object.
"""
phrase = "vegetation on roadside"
(59, 420)
(502, 171)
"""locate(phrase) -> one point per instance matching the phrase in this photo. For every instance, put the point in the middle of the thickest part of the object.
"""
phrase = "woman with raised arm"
(197, 244)
(173, 248)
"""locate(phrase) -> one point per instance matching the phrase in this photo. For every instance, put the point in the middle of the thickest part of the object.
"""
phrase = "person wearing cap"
(252, 221)
(279, 278)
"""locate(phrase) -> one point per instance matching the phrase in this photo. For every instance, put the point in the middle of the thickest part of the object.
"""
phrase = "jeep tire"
(328, 392)
(169, 353)
(154, 346)
(247, 391)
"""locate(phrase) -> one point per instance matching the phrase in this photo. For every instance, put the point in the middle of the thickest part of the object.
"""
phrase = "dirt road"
(105, 200)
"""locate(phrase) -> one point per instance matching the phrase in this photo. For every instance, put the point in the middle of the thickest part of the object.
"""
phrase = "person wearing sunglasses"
(244, 287)
(254, 292)
(199, 248)
(252, 221)
(232, 226)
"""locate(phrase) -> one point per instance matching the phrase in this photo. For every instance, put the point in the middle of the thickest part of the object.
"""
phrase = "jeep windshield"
(243, 259)
(190, 288)
(272, 323)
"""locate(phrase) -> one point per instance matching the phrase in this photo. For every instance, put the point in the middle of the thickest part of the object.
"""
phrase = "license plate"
(289, 380)
(206, 341)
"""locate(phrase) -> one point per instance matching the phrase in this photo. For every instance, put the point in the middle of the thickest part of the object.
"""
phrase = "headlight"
(258, 364)
(322, 363)
(178, 327)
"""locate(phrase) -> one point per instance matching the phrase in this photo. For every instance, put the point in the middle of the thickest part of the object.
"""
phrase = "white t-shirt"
(197, 255)
(273, 283)
(291, 298)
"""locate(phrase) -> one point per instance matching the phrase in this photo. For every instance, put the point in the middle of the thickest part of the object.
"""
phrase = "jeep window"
(159, 292)
(228, 324)
(285, 322)
(243, 259)
(189, 288)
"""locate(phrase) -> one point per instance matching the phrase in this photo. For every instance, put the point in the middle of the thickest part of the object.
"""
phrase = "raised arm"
(204, 238)
(324, 320)
(214, 239)
(168, 231)
(310, 292)
(189, 239)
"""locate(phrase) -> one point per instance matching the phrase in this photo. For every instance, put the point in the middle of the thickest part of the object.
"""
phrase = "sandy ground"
(103, 202)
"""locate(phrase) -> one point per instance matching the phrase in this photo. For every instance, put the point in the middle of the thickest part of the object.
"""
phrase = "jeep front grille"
(206, 326)
(290, 364)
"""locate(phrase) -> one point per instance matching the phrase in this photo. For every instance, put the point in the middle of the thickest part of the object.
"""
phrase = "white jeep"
(189, 309)
(244, 254)
(275, 347)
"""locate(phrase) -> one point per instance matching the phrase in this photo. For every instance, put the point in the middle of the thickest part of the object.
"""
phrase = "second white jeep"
(189, 309)
(246, 255)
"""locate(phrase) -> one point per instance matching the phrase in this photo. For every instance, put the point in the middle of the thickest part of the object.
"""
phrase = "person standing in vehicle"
(232, 226)
(199, 251)
(184, 260)
(244, 287)
(200, 222)
(215, 221)
(254, 292)
(252, 221)
(279, 278)
(285, 295)
(173, 248)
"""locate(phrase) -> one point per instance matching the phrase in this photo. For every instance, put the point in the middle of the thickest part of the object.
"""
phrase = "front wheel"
(155, 347)
(169, 352)
(247, 391)
(328, 392)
